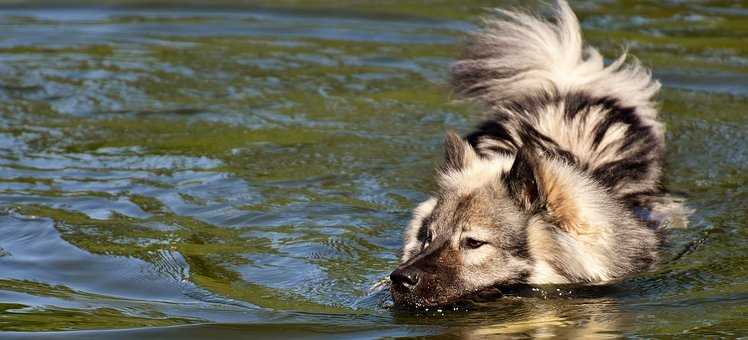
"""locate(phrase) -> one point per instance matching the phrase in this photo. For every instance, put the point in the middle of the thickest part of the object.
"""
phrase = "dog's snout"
(406, 277)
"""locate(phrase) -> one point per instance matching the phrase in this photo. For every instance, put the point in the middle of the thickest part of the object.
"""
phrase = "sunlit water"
(247, 171)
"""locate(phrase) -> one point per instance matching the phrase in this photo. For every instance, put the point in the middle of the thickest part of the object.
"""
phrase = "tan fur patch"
(561, 204)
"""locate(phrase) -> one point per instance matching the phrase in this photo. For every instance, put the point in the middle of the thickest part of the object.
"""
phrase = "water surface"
(246, 171)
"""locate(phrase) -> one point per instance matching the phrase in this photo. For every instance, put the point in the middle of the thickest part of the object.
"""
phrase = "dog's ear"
(523, 180)
(457, 153)
(538, 184)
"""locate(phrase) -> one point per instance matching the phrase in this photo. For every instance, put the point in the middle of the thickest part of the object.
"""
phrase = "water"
(247, 171)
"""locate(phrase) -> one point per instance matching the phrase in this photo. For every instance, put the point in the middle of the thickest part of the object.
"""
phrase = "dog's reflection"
(540, 318)
(529, 313)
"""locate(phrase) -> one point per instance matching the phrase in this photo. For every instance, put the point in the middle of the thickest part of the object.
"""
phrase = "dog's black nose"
(406, 277)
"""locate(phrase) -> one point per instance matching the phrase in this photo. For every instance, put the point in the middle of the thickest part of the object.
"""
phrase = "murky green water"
(247, 171)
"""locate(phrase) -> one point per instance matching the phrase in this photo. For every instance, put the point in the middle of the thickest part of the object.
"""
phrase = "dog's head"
(505, 220)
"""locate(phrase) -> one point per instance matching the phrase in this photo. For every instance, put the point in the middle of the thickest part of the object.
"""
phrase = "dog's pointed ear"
(457, 152)
(524, 182)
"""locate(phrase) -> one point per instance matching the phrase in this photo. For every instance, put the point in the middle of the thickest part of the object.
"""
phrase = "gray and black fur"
(547, 190)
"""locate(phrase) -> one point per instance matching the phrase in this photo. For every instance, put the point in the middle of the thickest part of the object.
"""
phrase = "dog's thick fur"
(545, 191)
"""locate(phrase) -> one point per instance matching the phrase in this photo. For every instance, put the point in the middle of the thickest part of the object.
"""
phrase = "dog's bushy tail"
(518, 53)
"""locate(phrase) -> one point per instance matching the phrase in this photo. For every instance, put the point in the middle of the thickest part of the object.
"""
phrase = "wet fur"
(552, 180)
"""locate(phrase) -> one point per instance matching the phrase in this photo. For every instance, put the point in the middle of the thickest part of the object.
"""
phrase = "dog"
(555, 187)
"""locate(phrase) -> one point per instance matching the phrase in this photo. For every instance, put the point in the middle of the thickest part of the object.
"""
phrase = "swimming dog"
(548, 190)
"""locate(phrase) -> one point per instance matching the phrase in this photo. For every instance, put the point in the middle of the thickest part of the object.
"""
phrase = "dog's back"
(550, 92)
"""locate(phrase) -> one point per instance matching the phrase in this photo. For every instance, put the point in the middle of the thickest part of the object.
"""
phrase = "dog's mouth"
(406, 298)
(415, 303)
(463, 302)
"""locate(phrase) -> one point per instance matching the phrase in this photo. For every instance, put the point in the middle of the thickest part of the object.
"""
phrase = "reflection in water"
(557, 318)
(523, 311)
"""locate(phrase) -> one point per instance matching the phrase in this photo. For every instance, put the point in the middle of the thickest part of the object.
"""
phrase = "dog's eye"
(472, 243)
